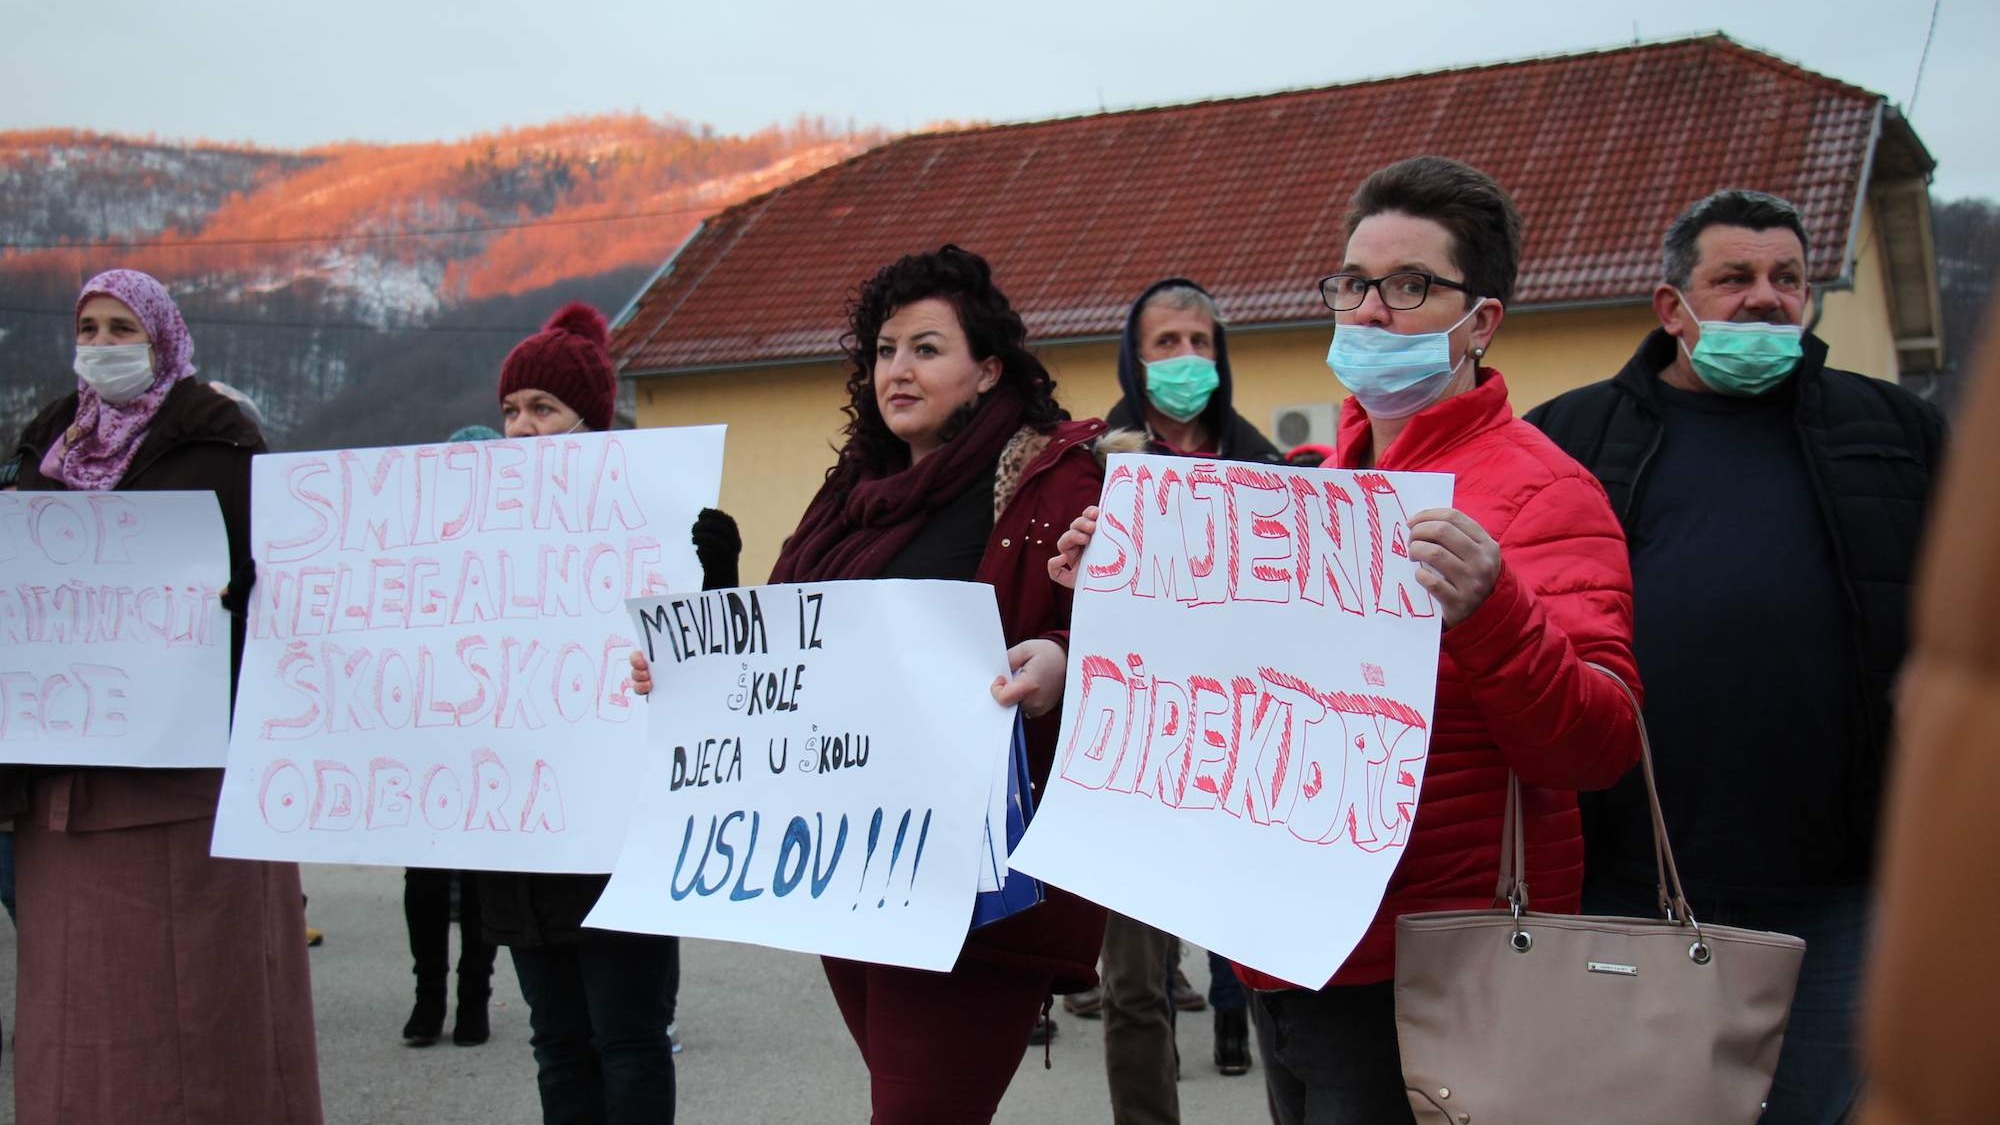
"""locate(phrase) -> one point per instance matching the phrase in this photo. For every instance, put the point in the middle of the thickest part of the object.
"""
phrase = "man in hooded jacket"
(1173, 369)
(1173, 366)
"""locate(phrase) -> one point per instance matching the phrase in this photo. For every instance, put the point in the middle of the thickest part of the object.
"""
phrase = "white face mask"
(118, 373)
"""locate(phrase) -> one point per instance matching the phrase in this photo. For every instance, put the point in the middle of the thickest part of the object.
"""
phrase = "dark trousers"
(1141, 1058)
(1225, 992)
(598, 1011)
(427, 914)
(1141, 1053)
(940, 1047)
(1330, 1057)
(1818, 1081)
(7, 872)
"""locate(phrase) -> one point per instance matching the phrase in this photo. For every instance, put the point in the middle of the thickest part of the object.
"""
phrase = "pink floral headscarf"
(96, 450)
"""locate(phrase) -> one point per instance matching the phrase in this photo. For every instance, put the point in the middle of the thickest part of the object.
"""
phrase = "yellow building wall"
(1855, 323)
(784, 421)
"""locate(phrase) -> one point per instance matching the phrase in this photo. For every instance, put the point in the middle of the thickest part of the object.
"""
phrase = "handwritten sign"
(823, 758)
(1248, 709)
(114, 646)
(437, 670)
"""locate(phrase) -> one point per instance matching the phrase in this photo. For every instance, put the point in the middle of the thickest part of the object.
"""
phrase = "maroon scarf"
(858, 534)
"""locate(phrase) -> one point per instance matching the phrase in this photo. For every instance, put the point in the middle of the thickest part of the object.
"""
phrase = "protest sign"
(114, 646)
(1251, 674)
(437, 671)
(822, 761)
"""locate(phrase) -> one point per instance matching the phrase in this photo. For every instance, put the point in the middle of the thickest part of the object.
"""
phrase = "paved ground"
(764, 1042)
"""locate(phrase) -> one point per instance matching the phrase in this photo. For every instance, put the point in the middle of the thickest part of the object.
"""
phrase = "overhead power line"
(359, 236)
(1917, 86)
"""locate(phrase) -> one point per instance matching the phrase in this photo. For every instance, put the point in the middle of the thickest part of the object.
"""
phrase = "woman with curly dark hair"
(960, 465)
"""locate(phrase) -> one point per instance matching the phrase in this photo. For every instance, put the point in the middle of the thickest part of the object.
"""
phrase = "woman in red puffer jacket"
(1530, 570)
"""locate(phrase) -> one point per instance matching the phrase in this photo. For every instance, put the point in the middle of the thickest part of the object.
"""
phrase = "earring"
(1479, 353)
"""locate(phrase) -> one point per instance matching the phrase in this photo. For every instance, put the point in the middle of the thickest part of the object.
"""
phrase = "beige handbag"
(1508, 1017)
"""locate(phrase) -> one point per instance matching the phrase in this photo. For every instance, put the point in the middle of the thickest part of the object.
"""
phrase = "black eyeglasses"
(1344, 292)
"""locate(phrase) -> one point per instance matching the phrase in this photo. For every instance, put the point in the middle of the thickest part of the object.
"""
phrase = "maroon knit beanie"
(569, 359)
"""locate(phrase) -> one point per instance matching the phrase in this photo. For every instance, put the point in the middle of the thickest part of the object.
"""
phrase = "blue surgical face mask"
(1392, 375)
(1744, 359)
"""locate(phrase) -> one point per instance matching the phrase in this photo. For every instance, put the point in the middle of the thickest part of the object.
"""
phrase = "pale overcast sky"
(280, 72)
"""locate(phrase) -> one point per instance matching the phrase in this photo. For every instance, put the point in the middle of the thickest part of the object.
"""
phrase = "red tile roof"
(1079, 215)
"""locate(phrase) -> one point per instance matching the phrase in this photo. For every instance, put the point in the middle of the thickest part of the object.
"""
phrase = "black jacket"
(1872, 452)
(1236, 439)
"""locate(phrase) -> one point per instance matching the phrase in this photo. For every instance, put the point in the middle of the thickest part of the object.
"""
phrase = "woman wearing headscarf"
(155, 982)
(600, 1003)
(958, 465)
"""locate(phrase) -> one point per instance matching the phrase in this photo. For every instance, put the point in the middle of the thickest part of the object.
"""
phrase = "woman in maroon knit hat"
(958, 465)
(600, 1003)
(560, 380)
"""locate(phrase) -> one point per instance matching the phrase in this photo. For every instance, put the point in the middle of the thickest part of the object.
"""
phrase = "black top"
(1871, 450)
(951, 543)
(1742, 636)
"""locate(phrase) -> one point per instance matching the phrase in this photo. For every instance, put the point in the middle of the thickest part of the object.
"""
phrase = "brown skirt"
(157, 983)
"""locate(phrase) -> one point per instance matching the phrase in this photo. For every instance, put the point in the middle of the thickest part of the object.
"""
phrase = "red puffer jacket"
(1513, 688)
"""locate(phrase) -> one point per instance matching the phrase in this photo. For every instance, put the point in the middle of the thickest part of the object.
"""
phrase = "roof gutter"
(1851, 253)
(1252, 327)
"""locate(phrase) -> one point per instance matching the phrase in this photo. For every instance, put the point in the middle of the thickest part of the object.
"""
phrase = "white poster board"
(1247, 716)
(437, 669)
(822, 761)
(114, 646)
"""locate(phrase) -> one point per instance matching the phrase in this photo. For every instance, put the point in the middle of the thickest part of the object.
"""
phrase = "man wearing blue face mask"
(1773, 507)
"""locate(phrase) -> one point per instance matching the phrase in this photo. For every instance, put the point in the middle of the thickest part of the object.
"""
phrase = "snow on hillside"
(303, 274)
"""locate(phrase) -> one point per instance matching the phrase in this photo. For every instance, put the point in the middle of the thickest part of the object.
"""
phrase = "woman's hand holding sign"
(1460, 562)
(1039, 668)
(642, 674)
(1062, 568)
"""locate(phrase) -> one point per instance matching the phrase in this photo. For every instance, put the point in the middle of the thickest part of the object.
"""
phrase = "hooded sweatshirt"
(1234, 438)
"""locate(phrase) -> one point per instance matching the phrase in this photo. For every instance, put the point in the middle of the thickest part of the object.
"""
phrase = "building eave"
(666, 267)
(1235, 329)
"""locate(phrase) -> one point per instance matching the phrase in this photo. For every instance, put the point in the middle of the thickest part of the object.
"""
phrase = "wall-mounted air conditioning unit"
(1310, 424)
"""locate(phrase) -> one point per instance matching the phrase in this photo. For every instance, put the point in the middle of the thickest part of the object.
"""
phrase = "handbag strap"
(1513, 888)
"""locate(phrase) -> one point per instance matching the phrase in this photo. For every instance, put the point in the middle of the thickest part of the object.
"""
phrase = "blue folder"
(1019, 891)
